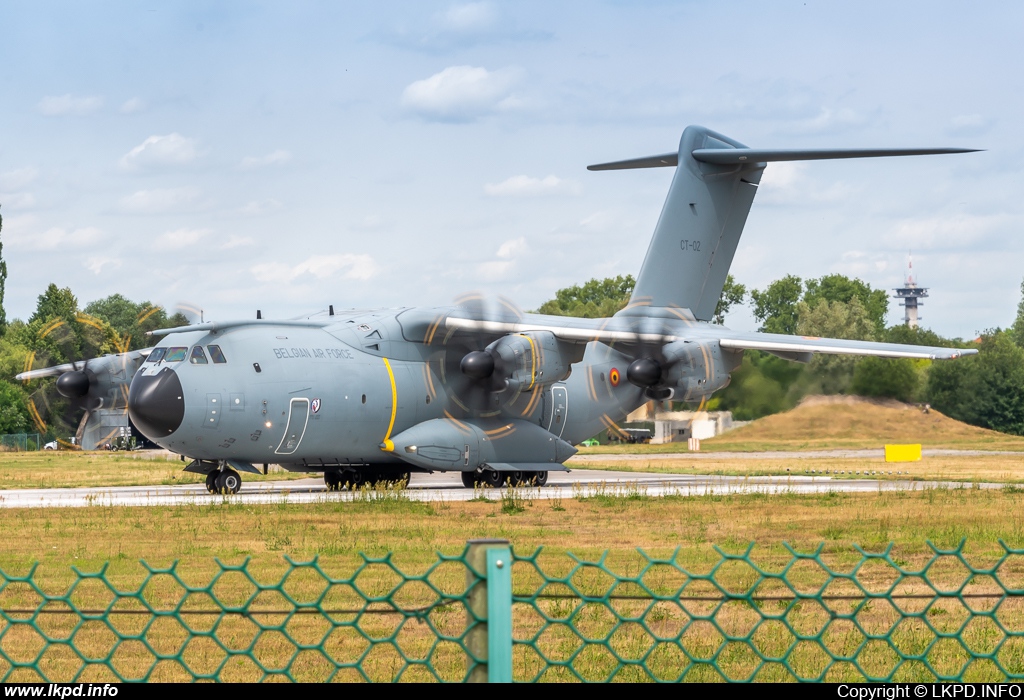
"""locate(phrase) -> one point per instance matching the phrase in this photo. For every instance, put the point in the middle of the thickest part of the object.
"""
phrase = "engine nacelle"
(535, 359)
(699, 368)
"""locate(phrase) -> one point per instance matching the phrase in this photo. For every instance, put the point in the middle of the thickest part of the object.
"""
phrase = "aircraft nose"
(155, 403)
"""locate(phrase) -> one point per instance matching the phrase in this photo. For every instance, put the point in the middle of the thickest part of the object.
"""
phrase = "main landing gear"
(494, 479)
(346, 479)
(226, 481)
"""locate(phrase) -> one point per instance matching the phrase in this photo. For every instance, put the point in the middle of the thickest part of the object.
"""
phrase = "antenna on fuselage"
(330, 310)
(259, 314)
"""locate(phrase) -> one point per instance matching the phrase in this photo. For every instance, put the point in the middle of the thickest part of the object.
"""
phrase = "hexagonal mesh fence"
(491, 613)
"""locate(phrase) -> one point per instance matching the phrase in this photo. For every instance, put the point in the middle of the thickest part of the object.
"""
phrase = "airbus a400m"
(478, 388)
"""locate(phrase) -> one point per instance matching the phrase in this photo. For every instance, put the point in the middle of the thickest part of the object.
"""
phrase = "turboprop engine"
(684, 370)
(522, 361)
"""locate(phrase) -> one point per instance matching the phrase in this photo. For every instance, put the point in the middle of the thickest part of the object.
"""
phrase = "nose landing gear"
(226, 481)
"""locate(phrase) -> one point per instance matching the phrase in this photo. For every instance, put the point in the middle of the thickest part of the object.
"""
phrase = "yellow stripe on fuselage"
(394, 400)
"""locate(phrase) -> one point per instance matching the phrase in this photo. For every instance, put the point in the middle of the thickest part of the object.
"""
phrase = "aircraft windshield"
(216, 354)
(175, 354)
(156, 355)
(198, 356)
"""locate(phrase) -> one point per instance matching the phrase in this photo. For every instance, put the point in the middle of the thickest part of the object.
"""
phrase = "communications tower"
(909, 294)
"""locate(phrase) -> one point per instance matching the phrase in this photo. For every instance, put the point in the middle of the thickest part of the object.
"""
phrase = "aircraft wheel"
(333, 481)
(211, 481)
(539, 478)
(469, 479)
(519, 478)
(228, 481)
(493, 478)
(404, 478)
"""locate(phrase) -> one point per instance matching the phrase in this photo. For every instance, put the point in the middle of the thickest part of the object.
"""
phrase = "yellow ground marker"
(902, 453)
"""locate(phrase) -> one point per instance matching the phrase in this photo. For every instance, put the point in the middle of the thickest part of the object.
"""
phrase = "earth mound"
(853, 421)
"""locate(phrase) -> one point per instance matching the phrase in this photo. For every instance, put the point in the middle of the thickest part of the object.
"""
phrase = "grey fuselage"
(332, 395)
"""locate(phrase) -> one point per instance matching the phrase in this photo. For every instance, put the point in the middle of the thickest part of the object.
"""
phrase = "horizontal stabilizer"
(662, 161)
(737, 156)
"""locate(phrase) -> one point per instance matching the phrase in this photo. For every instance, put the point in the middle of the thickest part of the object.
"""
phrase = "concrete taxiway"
(448, 487)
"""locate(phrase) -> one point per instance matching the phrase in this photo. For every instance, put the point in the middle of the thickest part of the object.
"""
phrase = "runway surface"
(448, 487)
(806, 454)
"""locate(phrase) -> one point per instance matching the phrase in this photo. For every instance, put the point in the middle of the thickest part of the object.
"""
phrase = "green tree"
(732, 295)
(14, 417)
(3, 282)
(55, 303)
(775, 307)
(594, 299)
(889, 378)
(986, 389)
(834, 319)
(132, 320)
(1018, 325)
(843, 289)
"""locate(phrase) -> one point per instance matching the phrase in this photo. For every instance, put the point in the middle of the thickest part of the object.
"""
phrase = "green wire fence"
(491, 614)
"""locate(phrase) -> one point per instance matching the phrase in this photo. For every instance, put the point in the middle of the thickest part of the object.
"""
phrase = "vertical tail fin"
(699, 228)
(703, 217)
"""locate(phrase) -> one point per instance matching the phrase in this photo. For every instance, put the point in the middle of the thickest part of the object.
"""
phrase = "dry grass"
(844, 422)
(46, 469)
(993, 467)
(337, 532)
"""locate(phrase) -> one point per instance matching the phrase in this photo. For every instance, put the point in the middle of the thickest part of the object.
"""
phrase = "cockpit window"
(156, 355)
(198, 357)
(175, 354)
(216, 354)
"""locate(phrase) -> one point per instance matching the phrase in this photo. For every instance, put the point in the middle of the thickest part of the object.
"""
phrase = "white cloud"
(508, 254)
(69, 105)
(258, 207)
(830, 121)
(160, 200)
(132, 106)
(18, 179)
(787, 183)
(462, 93)
(471, 17)
(512, 248)
(526, 186)
(156, 151)
(235, 241)
(182, 238)
(955, 232)
(96, 264)
(56, 237)
(276, 158)
(345, 265)
(17, 200)
(969, 125)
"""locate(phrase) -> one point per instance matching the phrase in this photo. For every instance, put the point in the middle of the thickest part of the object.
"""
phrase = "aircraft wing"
(790, 347)
(801, 347)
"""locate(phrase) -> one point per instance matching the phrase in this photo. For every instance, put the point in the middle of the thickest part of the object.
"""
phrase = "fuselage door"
(298, 416)
(559, 409)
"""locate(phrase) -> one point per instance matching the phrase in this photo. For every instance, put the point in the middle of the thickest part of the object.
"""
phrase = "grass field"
(618, 522)
(845, 423)
(46, 469)
(592, 521)
(993, 467)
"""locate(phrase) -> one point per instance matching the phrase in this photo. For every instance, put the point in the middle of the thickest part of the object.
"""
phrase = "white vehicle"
(55, 444)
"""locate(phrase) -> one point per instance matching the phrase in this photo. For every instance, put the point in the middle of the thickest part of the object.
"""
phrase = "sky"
(285, 156)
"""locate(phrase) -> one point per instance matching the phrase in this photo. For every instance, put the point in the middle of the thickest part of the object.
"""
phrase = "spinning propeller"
(474, 375)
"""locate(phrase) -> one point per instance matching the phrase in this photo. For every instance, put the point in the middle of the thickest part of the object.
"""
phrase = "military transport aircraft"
(478, 387)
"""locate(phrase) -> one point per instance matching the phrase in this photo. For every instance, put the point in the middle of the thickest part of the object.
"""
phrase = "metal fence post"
(489, 616)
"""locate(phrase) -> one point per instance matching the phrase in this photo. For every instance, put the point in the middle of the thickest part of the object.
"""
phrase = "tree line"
(986, 389)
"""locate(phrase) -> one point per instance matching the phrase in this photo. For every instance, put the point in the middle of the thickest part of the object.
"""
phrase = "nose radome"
(156, 403)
